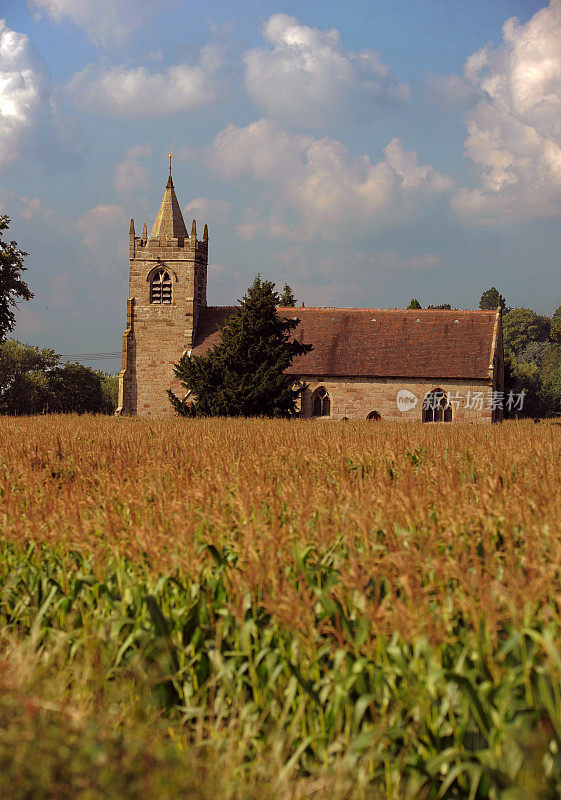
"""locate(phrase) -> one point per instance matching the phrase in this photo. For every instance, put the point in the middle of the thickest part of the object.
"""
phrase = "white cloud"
(305, 77)
(25, 87)
(386, 261)
(61, 292)
(104, 21)
(130, 176)
(32, 207)
(316, 186)
(136, 92)
(211, 212)
(451, 90)
(412, 174)
(25, 207)
(105, 232)
(514, 131)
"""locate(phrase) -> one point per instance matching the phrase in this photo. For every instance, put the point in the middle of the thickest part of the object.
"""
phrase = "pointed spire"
(169, 222)
(144, 233)
(205, 233)
(194, 230)
(131, 229)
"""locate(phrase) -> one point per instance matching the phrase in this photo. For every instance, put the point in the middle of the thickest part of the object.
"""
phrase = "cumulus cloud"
(25, 88)
(514, 130)
(61, 292)
(211, 212)
(452, 91)
(104, 21)
(317, 187)
(130, 176)
(136, 92)
(413, 175)
(105, 232)
(387, 261)
(304, 76)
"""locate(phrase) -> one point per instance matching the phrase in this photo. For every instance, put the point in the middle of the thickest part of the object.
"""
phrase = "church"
(366, 363)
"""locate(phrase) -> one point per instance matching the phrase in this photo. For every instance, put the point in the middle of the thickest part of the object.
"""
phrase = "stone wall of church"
(356, 398)
(158, 334)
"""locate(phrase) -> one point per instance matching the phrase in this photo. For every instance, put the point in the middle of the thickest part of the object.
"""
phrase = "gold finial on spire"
(170, 158)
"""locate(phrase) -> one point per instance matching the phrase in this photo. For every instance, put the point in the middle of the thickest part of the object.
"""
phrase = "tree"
(491, 300)
(556, 325)
(12, 287)
(414, 304)
(75, 389)
(23, 377)
(524, 377)
(110, 391)
(244, 375)
(443, 307)
(287, 299)
(522, 326)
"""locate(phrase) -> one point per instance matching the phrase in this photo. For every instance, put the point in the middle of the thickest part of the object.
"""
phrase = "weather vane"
(170, 157)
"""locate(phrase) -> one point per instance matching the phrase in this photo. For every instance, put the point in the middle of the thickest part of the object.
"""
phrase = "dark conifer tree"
(244, 375)
(491, 299)
(287, 299)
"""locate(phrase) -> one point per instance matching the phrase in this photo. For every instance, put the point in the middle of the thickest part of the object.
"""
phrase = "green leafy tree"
(521, 326)
(526, 378)
(287, 299)
(491, 300)
(12, 287)
(110, 391)
(442, 307)
(75, 389)
(414, 304)
(244, 375)
(555, 332)
(23, 377)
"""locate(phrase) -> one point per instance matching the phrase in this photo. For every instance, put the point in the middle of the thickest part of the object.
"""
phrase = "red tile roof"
(373, 342)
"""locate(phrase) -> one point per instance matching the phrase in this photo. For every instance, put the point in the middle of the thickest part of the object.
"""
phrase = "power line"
(90, 356)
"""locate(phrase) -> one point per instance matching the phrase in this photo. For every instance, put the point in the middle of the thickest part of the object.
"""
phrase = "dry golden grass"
(422, 511)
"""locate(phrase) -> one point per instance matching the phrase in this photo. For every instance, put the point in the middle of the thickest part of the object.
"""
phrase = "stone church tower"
(167, 291)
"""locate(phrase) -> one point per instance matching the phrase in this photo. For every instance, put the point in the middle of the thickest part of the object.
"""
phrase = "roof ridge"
(400, 310)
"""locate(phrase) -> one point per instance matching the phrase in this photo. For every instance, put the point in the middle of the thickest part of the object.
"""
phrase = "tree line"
(244, 375)
(532, 347)
(33, 380)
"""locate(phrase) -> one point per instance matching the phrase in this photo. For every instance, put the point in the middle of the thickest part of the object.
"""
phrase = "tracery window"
(374, 416)
(160, 287)
(321, 403)
(436, 407)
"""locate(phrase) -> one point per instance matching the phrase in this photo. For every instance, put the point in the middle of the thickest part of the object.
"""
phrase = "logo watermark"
(473, 401)
(406, 400)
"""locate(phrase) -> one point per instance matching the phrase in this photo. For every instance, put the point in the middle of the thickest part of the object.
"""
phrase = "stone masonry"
(158, 334)
(362, 358)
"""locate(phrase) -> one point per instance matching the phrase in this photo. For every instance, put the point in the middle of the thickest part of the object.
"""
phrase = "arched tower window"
(374, 416)
(321, 404)
(436, 407)
(160, 287)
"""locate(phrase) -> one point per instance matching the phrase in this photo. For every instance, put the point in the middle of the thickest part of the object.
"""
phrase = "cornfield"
(291, 609)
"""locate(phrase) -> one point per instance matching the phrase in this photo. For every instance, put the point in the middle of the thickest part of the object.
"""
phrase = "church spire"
(169, 222)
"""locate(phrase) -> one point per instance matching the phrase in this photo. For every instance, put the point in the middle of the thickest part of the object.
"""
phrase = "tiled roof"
(169, 222)
(389, 343)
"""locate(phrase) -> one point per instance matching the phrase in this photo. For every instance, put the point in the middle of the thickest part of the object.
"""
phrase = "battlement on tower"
(193, 247)
(167, 291)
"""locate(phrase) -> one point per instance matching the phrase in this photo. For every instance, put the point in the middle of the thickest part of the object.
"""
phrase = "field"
(250, 609)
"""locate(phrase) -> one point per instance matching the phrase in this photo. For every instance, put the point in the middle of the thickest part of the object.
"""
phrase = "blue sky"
(366, 153)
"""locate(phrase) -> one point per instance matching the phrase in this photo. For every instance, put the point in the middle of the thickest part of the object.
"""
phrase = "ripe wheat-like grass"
(369, 609)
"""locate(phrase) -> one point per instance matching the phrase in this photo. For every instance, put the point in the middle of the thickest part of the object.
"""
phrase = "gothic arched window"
(321, 404)
(374, 416)
(436, 407)
(160, 287)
